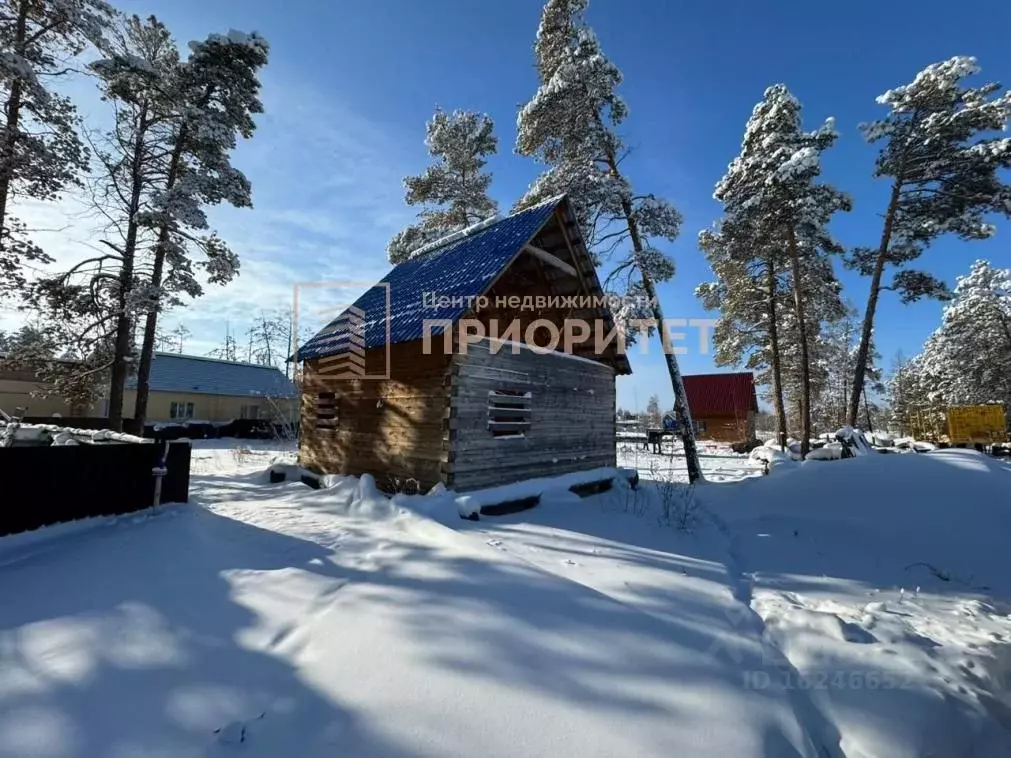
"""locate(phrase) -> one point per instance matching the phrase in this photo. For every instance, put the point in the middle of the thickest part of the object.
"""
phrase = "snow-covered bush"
(833, 451)
(853, 442)
(771, 458)
(880, 439)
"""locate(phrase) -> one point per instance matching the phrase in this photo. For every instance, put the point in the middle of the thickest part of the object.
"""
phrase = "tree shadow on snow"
(126, 641)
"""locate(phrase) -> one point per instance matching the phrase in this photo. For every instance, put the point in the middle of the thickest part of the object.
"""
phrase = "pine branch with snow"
(939, 150)
(41, 152)
(968, 358)
(775, 225)
(570, 126)
(454, 190)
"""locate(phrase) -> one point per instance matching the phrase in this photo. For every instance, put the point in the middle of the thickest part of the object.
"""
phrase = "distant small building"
(192, 387)
(723, 406)
(376, 399)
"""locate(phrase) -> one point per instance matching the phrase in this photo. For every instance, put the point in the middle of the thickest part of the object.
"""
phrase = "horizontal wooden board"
(571, 417)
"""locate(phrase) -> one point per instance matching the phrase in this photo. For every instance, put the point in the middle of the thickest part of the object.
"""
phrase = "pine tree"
(901, 394)
(40, 151)
(749, 294)
(454, 189)
(968, 359)
(944, 179)
(769, 191)
(213, 97)
(44, 350)
(102, 293)
(165, 159)
(570, 126)
(172, 341)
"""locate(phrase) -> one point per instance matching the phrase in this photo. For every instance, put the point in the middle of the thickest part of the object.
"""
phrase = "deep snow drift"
(835, 608)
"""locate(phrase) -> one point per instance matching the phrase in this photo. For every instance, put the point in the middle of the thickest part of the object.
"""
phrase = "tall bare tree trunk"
(805, 366)
(681, 410)
(120, 367)
(860, 369)
(777, 369)
(147, 347)
(12, 111)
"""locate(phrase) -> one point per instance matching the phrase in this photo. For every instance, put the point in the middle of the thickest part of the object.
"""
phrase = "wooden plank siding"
(726, 428)
(571, 417)
(390, 428)
(528, 277)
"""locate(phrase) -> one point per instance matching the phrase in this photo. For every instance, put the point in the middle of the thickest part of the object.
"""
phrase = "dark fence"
(48, 485)
(249, 429)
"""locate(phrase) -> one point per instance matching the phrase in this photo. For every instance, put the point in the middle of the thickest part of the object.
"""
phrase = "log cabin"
(421, 381)
(723, 406)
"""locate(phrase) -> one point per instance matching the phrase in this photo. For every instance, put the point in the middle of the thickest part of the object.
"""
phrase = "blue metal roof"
(460, 269)
(171, 372)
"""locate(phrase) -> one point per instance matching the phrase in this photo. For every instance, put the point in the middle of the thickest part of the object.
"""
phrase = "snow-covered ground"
(719, 463)
(833, 609)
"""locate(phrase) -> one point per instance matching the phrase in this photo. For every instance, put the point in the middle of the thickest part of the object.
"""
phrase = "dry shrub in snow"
(672, 501)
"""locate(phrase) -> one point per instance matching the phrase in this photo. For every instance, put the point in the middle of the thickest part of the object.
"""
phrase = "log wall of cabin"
(727, 427)
(572, 406)
(390, 428)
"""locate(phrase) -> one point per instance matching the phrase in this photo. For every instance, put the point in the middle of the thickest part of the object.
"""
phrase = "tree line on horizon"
(781, 310)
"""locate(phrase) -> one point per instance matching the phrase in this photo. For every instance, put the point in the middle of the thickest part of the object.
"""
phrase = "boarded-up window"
(327, 410)
(508, 413)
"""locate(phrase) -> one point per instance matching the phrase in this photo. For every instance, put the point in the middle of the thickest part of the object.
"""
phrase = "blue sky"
(350, 86)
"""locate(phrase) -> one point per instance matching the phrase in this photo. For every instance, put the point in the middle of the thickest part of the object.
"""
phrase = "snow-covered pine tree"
(833, 354)
(749, 294)
(969, 356)
(155, 175)
(211, 99)
(771, 186)
(454, 190)
(103, 294)
(570, 126)
(900, 393)
(944, 178)
(40, 150)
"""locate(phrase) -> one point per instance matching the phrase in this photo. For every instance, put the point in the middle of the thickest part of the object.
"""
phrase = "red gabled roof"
(721, 394)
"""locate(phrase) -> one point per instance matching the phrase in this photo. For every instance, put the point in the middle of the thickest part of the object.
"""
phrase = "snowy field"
(852, 608)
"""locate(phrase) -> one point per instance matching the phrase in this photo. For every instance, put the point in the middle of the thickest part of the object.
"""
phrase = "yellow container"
(976, 424)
